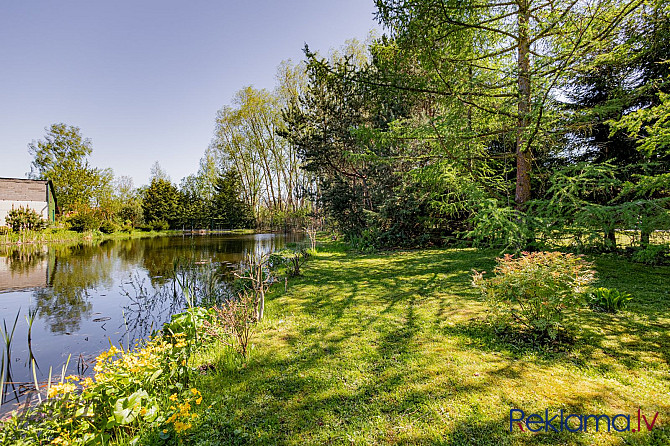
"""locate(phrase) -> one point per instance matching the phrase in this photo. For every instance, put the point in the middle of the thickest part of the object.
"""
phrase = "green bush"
(159, 225)
(651, 255)
(24, 219)
(4, 230)
(107, 227)
(127, 226)
(608, 300)
(534, 292)
(83, 221)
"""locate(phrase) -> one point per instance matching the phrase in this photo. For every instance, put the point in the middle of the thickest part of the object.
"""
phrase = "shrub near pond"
(131, 392)
(534, 292)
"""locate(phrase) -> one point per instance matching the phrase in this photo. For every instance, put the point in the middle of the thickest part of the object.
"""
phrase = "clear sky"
(143, 79)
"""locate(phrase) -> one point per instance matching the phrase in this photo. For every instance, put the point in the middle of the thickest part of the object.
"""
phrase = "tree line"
(508, 123)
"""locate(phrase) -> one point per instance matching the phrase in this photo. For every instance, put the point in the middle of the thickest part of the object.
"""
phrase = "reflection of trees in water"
(74, 270)
(24, 259)
(64, 302)
(160, 254)
(192, 283)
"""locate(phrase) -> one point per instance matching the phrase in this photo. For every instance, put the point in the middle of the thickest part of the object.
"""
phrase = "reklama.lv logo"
(577, 423)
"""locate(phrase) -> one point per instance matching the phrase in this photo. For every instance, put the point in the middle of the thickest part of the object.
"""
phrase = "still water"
(82, 298)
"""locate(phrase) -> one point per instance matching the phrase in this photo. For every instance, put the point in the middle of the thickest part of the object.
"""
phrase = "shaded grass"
(394, 349)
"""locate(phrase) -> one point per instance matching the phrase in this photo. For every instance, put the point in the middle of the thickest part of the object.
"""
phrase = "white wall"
(41, 207)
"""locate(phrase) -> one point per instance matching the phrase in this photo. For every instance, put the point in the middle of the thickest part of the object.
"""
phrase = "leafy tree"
(158, 173)
(62, 158)
(489, 69)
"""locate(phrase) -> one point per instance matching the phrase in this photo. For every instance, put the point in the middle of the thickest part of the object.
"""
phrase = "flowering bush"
(143, 388)
(534, 291)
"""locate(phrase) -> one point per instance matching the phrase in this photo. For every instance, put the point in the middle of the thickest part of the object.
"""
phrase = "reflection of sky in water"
(86, 296)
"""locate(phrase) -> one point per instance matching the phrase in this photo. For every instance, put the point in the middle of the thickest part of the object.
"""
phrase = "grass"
(52, 236)
(393, 348)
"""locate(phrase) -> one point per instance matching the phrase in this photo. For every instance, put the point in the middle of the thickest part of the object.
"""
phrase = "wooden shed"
(38, 195)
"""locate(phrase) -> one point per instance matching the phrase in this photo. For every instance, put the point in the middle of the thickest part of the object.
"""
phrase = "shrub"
(534, 291)
(651, 255)
(127, 226)
(131, 392)
(159, 225)
(107, 227)
(608, 300)
(235, 318)
(4, 230)
(24, 219)
(83, 221)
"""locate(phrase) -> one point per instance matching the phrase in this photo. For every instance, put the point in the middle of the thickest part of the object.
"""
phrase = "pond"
(74, 301)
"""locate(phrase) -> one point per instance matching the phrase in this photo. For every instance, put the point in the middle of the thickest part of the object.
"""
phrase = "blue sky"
(144, 79)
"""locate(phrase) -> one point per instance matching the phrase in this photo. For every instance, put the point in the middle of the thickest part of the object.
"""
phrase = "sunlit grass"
(394, 349)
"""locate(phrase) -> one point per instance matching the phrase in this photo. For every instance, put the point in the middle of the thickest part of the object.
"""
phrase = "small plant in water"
(608, 300)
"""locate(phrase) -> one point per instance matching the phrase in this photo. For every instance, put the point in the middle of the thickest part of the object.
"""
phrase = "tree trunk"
(645, 235)
(610, 239)
(523, 153)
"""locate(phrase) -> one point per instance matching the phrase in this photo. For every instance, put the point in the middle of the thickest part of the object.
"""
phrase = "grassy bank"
(63, 236)
(394, 349)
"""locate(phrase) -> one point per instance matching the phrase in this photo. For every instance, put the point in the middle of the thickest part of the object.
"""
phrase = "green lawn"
(393, 348)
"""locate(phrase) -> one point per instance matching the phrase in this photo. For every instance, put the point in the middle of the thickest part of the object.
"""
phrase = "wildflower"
(61, 389)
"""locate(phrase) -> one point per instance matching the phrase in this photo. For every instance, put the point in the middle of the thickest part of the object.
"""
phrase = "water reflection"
(86, 296)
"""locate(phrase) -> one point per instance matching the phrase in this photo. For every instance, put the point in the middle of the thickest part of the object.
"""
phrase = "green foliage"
(62, 158)
(132, 212)
(586, 203)
(652, 255)
(228, 208)
(108, 227)
(608, 300)
(24, 219)
(536, 291)
(85, 219)
(497, 226)
(187, 324)
(131, 391)
(159, 225)
(160, 202)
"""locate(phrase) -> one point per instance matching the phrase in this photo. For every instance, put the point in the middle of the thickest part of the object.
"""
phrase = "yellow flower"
(199, 400)
(61, 389)
(173, 397)
(194, 391)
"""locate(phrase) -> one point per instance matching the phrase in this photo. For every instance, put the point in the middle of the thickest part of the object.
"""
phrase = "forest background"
(516, 125)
